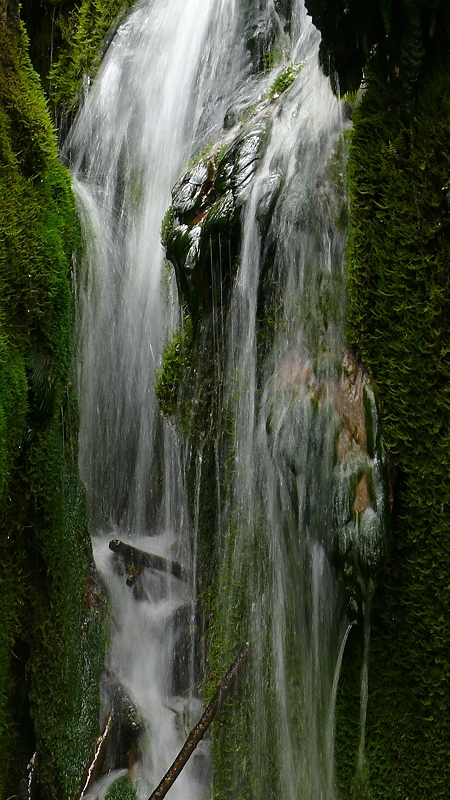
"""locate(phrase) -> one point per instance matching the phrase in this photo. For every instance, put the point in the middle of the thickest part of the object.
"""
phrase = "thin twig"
(200, 729)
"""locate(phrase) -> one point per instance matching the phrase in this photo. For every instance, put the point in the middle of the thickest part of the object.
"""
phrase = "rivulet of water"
(170, 74)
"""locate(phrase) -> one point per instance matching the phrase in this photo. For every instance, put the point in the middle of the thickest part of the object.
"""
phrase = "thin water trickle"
(169, 79)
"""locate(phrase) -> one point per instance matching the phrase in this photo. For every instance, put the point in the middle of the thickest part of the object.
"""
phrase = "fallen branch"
(93, 768)
(200, 729)
(138, 558)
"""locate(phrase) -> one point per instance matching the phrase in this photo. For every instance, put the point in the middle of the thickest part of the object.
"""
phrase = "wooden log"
(200, 729)
(92, 770)
(138, 558)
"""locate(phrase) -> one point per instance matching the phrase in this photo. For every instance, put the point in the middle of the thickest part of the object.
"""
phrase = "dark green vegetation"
(398, 324)
(122, 789)
(84, 41)
(51, 630)
(68, 40)
(51, 637)
(284, 80)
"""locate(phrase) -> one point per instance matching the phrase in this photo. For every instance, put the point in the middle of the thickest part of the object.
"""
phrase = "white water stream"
(170, 74)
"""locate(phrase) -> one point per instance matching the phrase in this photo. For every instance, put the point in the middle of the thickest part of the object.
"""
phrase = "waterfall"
(178, 77)
(281, 496)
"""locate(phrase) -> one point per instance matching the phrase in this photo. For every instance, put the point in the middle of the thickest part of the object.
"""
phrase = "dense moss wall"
(51, 632)
(399, 325)
(83, 44)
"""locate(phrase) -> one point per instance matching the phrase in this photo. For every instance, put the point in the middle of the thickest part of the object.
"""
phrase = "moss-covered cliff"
(51, 633)
(67, 40)
(398, 324)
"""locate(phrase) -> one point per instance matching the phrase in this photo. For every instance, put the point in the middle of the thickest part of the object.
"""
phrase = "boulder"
(338, 420)
(361, 502)
(201, 235)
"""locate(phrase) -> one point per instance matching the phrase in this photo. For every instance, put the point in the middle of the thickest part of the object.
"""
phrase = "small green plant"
(351, 97)
(284, 80)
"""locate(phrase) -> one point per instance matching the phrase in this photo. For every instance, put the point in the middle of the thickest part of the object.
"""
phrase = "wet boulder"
(238, 164)
(361, 502)
(268, 197)
(201, 233)
(192, 193)
(127, 726)
(264, 30)
(314, 416)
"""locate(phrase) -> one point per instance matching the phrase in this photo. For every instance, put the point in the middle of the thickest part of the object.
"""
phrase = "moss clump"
(52, 635)
(167, 225)
(284, 80)
(398, 324)
(83, 30)
(174, 398)
(122, 789)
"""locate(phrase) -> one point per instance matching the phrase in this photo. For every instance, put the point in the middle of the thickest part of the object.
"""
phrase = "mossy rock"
(398, 325)
(201, 230)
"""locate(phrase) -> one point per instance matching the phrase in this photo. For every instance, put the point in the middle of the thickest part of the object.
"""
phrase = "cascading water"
(280, 500)
(173, 72)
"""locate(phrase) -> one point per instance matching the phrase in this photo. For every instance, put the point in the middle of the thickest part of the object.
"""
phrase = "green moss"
(52, 634)
(275, 55)
(398, 324)
(167, 225)
(177, 361)
(284, 80)
(83, 31)
(186, 383)
(190, 392)
(122, 789)
(244, 746)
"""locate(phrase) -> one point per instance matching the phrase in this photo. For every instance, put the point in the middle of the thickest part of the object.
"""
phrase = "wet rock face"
(262, 30)
(339, 420)
(203, 237)
(361, 506)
